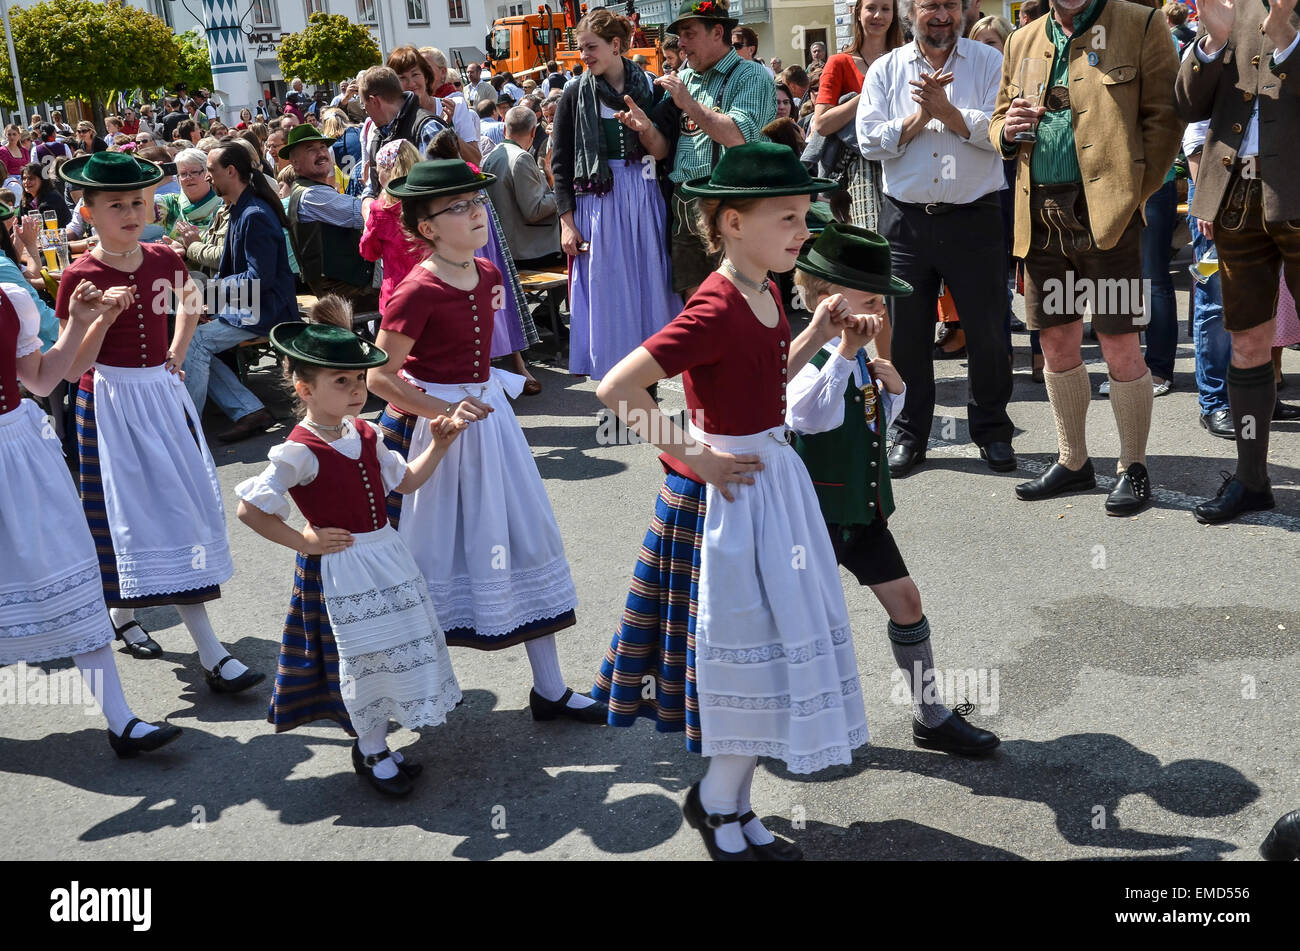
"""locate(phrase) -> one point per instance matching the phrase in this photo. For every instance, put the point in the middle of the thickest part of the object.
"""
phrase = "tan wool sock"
(1069, 394)
(1131, 403)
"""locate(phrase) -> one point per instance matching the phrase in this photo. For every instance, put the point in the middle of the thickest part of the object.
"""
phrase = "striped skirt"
(649, 668)
(307, 674)
(92, 500)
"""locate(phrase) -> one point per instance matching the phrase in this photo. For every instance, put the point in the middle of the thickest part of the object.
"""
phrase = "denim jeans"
(206, 375)
(1213, 344)
(1162, 332)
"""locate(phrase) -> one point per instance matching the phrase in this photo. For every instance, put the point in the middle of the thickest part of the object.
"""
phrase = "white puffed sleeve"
(291, 464)
(29, 320)
(815, 398)
(392, 464)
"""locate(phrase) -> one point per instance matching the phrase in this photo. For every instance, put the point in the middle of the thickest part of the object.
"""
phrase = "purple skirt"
(513, 327)
(621, 291)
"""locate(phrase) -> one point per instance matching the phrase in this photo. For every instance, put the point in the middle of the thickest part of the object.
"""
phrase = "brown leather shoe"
(951, 344)
(256, 422)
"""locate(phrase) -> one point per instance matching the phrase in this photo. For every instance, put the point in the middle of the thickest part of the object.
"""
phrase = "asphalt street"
(1141, 672)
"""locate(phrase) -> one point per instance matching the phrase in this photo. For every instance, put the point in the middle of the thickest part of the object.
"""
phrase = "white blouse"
(815, 398)
(294, 464)
(29, 321)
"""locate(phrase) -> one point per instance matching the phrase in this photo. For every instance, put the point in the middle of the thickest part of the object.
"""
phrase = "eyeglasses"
(461, 207)
(192, 173)
(951, 6)
(738, 45)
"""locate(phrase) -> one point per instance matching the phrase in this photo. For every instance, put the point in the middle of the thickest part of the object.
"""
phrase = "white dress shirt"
(1250, 141)
(815, 398)
(937, 165)
(464, 120)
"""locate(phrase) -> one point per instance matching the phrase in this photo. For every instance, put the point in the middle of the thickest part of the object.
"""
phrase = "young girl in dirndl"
(756, 656)
(148, 483)
(481, 528)
(620, 286)
(375, 651)
(51, 600)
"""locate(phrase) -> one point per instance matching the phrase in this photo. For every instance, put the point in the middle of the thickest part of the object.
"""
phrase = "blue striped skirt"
(649, 668)
(395, 428)
(307, 673)
(92, 500)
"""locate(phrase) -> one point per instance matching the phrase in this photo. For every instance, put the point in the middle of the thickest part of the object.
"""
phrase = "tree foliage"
(193, 68)
(331, 47)
(83, 49)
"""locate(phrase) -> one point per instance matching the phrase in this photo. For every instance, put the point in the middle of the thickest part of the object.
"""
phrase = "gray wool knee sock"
(911, 647)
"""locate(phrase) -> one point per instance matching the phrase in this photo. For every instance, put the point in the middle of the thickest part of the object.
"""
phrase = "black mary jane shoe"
(1132, 492)
(220, 685)
(409, 768)
(707, 823)
(399, 785)
(1000, 456)
(147, 649)
(777, 850)
(903, 458)
(1057, 480)
(544, 709)
(127, 748)
(1219, 423)
(955, 735)
(1232, 500)
(1283, 841)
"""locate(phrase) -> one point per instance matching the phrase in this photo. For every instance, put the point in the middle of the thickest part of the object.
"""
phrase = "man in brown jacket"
(1107, 134)
(1236, 76)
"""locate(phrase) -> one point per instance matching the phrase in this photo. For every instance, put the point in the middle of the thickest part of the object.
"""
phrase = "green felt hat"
(758, 170)
(437, 177)
(110, 171)
(710, 11)
(326, 345)
(300, 134)
(6, 212)
(853, 257)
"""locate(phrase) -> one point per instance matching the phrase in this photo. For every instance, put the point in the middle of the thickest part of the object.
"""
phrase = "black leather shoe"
(777, 850)
(707, 823)
(1233, 499)
(127, 748)
(147, 649)
(1132, 493)
(258, 421)
(1285, 412)
(1056, 481)
(1283, 842)
(399, 785)
(904, 458)
(999, 456)
(544, 709)
(955, 735)
(411, 769)
(1219, 423)
(220, 684)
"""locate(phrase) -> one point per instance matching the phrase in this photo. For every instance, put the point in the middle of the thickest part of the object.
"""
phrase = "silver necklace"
(322, 427)
(760, 286)
(118, 254)
(463, 267)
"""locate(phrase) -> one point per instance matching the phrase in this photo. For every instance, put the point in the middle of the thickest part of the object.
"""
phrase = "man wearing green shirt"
(1107, 133)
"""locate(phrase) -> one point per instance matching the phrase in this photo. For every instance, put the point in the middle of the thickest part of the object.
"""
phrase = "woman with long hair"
(14, 155)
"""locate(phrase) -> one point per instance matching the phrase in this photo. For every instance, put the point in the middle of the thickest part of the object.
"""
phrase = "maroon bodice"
(9, 327)
(346, 493)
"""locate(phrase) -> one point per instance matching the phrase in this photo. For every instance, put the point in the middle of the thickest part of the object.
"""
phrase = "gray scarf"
(591, 172)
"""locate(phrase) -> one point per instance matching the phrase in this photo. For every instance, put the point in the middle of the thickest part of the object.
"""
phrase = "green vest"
(327, 254)
(848, 466)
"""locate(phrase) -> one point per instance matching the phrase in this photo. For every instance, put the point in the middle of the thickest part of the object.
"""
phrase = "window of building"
(416, 12)
(163, 10)
(456, 11)
(366, 12)
(315, 6)
(264, 13)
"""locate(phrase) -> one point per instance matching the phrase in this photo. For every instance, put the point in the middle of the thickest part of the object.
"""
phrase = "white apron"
(51, 597)
(774, 661)
(481, 529)
(393, 659)
(161, 492)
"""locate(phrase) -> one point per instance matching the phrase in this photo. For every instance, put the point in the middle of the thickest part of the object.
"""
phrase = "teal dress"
(11, 273)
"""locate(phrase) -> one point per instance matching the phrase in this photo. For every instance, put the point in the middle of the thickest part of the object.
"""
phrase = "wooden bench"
(546, 286)
(249, 353)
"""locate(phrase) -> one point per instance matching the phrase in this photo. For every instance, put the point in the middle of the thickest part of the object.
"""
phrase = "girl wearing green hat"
(756, 658)
(148, 482)
(362, 644)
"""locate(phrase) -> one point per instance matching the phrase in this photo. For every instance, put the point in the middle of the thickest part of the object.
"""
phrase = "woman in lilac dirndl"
(612, 213)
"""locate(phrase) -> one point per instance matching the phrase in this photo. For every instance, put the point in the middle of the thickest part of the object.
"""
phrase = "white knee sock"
(547, 679)
(196, 621)
(754, 830)
(376, 741)
(120, 616)
(720, 791)
(99, 670)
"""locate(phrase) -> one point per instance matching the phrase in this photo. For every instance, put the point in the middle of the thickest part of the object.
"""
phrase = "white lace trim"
(376, 603)
(364, 675)
(769, 652)
(412, 714)
(497, 607)
(838, 755)
(53, 589)
(170, 571)
(60, 622)
(798, 708)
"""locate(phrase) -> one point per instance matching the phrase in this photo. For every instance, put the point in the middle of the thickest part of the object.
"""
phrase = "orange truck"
(522, 45)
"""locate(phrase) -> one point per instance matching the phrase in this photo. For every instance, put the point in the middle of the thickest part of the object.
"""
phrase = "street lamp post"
(13, 60)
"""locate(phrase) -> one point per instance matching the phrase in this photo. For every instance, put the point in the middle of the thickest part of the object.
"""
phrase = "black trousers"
(964, 249)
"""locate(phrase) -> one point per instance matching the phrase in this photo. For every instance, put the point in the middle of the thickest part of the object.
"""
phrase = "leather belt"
(944, 207)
